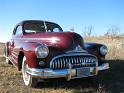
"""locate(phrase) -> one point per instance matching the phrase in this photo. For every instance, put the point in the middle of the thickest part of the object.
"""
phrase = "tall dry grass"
(1, 49)
(115, 46)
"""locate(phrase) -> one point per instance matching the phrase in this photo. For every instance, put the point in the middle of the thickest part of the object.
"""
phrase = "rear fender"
(6, 49)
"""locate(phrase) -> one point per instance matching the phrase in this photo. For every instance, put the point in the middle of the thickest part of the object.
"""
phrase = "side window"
(18, 30)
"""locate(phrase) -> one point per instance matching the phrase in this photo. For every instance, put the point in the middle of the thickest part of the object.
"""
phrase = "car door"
(16, 43)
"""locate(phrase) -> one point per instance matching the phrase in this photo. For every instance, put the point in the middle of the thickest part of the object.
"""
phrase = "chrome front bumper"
(67, 73)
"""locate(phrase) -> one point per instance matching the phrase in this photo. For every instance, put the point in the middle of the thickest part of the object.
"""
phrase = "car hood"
(63, 41)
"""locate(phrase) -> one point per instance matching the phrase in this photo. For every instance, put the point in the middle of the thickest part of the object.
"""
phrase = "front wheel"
(28, 79)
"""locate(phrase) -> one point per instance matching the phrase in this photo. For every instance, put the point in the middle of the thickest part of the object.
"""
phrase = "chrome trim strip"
(61, 63)
(75, 60)
(64, 65)
(72, 60)
(58, 62)
(12, 62)
(68, 61)
(23, 39)
(14, 55)
(14, 52)
(14, 59)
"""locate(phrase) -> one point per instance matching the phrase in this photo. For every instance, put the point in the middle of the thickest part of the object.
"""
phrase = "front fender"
(94, 48)
(29, 53)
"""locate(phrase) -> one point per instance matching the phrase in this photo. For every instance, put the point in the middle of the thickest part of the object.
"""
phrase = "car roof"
(25, 21)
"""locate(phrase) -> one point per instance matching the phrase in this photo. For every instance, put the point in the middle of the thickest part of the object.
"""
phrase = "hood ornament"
(78, 49)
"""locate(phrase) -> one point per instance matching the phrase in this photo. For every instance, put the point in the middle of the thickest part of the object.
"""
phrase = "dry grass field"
(111, 81)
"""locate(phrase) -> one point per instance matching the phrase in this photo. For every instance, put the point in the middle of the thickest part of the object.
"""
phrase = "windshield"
(36, 27)
(52, 27)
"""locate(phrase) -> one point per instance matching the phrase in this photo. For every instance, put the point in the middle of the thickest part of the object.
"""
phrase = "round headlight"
(103, 50)
(42, 51)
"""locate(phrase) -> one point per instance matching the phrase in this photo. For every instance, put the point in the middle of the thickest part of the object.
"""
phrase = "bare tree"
(112, 32)
(107, 34)
(87, 32)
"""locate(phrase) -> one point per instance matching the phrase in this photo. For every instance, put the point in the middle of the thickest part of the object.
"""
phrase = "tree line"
(111, 32)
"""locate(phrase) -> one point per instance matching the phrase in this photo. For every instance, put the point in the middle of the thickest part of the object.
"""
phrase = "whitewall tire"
(28, 79)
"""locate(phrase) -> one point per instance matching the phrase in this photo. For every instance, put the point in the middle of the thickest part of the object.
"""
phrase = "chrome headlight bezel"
(103, 50)
(42, 51)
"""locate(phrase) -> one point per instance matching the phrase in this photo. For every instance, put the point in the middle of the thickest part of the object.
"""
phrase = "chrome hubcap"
(26, 76)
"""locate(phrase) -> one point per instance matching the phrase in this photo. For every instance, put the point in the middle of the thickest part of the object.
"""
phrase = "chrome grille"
(62, 62)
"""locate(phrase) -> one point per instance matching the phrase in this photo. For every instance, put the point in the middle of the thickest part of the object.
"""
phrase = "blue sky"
(68, 13)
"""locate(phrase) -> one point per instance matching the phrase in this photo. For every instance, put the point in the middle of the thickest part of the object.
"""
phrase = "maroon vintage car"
(42, 50)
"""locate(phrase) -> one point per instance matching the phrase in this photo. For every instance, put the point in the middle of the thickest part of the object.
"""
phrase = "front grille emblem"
(78, 48)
